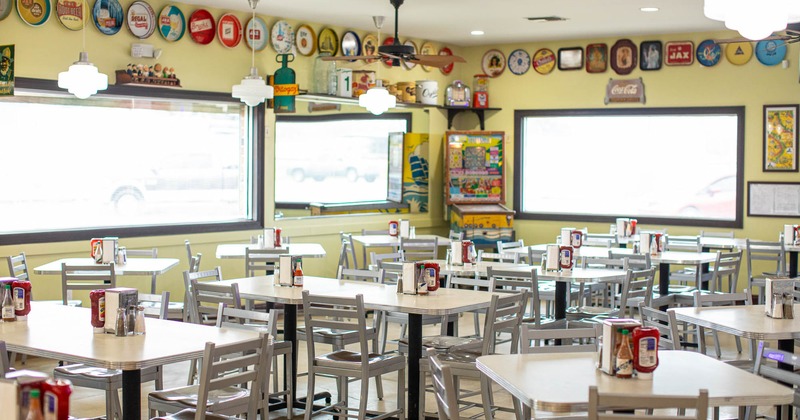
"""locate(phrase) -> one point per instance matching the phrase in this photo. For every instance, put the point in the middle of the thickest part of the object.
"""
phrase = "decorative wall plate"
(771, 52)
(141, 19)
(519, 62)
(388, 41)
(544, 61)
(407, 64)
(306, 40)
(708, 53)
(282, 37)
(624, 56)
(448, 68)
(256, 34)
(679, 53)
(328, 42)
(229, 30)
(5, 8)
(202, 26)
(570, 58)
(369, 46)
(171, 23)
(351, 44)
(70, 13)
(34, 12)
(650, 54)
(596, 58)
(427, 49)
(108, 16)
(493, 63)
(739, 53)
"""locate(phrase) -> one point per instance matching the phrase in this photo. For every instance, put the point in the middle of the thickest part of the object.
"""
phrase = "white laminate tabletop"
(666, 257)
(388, 240)
(574, 275)
(749, 321)
(560, 382)
(65, 333)
(133, 267)
(376, 296)
(307, 250)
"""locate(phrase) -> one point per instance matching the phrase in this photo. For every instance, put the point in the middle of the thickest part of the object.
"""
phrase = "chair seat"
(187, 395)
(445, 342)
(327, 335)
(189, 414)
(86, 376)
(588, 310)
(350, 359)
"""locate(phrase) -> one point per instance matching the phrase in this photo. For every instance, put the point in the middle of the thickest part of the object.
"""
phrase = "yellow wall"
(45, 51)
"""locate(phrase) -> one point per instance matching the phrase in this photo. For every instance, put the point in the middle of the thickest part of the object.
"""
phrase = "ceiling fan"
(789, 35)
(397, 52)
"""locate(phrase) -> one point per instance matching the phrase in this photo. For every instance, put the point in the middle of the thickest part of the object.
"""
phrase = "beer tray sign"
(679, 53)
(625, 91)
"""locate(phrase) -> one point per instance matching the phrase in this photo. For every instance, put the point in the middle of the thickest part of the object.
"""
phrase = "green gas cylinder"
(284, 84)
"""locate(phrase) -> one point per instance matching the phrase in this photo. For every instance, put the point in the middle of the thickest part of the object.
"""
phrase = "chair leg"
(287, 361)
(344, 383)
(486, 396)
(716, 344)
(310, 393)
(422, 378)
(362, 404)
(153, 285)
(401, 394)
(111, 407)
(476, 319)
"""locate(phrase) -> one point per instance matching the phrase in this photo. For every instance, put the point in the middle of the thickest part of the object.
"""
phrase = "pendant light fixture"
(253, 90)
(82, 79)
(377, 99)
(754, 20)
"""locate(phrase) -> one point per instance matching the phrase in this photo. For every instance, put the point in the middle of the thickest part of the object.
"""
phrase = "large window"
(334, 158)
(124, 164)
(672, 166)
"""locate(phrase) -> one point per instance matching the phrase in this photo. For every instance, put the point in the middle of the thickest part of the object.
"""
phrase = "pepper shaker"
(130, 320)
(119, 324)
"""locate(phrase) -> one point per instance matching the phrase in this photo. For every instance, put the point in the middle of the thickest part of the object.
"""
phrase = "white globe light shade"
(252, 90)
(82, 78)
(377, 100)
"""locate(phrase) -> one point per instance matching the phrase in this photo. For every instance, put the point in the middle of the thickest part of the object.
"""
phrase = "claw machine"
(475, 187)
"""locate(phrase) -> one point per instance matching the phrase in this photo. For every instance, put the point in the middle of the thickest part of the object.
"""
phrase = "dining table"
(134, 266)
(65, 333)
(305, 250)
(559, 382)
(377, 297)
(390, 241)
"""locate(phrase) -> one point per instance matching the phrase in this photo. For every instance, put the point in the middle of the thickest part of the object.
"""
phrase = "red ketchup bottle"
(98, 299)
(277, 243)
(55, 399)
(394, 228)
(21, 289)
(645, 351)
(432, 276)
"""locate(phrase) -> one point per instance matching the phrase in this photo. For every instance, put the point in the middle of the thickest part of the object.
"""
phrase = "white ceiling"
(503, 21)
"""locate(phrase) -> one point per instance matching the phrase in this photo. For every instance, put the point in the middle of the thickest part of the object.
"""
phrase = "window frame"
(408, 116)
(738, 111)
(255, 132)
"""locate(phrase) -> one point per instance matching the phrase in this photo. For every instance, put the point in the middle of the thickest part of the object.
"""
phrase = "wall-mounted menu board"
(773, 199)
(474, 167)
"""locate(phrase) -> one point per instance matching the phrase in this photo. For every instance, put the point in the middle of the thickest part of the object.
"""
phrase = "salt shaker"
(139, 327)
(119, 323)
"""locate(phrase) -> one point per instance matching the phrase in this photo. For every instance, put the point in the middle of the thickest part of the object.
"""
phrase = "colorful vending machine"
(475, 186)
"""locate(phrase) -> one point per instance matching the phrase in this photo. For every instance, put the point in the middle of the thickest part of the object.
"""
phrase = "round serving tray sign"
(202, 27)
(624, 56)
(306, 40)
(708, 53)
(256, 34)
(770, 52)
(544, 61)
(282, 37)
(328, 42)
(141, 19)
(108, 16)
(229, 30)
(70, 13)
(739, 53)
(369, 46)
(519, 62)
(351, 44)
(407, 64)
(388, 41)
(493, 63)
(171, 23)
(5, 8)
(34, 12)
(448, 68)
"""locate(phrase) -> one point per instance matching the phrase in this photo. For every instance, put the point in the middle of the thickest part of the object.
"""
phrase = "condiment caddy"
(289, 271)
(418, 278)
(31, 390)
(15, 299)
(627, 349)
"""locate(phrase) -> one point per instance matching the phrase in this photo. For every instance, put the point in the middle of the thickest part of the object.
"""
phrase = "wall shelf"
(452, 111)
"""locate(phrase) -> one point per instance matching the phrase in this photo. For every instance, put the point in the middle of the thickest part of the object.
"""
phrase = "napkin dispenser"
(778, 298)
(118, 297)
(566, 236)
(791, 234)
(269, 238)
(456, 253)
(285, 272)
(552, 258)
(405, 228)
(626, 227)
(412, 279)
(651, 243)
(611, 336)
(104, 250)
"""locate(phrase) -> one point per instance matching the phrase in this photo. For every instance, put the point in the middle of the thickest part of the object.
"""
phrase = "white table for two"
(306, 250)
(152, 267)
(388, 241)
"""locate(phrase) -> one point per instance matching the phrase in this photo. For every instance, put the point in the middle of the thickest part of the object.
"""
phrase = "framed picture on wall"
(570, 58)
(780, 138)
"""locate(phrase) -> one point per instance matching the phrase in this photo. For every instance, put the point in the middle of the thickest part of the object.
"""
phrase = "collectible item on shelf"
(448, 68)
(544, 61)
(519, 62)
(474, 167)
(457, 94)
(351, 44)
(5, 8)
(202, 27)
(408, 64)
(150, 75)
(427, 49)
(624, 56)
(284, 83)
(708, 53)
(480, 91)
(570, 58)
(596, 58)
(108, 16)
(679, 53)
(172, 23)
(739, 53)
(6, 70)
(141, 19)
(34, 12)
(282, 37)
(256, 34)
(493, 63)
(328, 42)
(229, 30)
(650, 52)
(770, 52)
(69, 12)
(306, 40)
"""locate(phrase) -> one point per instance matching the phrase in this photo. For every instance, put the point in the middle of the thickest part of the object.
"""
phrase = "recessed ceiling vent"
(540, 19)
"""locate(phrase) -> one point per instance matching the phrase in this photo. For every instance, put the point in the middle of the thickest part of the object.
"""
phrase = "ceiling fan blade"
(350, 57)
(435, 60)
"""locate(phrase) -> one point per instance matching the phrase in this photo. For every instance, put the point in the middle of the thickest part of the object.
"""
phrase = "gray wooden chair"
(766, 365)
(771, 253)
(419, 249)
(261, 261)
(538, 340)
(347, 251)
(145, 253)
(444, 387)
(86, 277)
(607, 406)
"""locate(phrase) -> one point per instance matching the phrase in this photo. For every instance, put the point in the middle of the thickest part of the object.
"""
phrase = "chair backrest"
(375, 276)
(230, 317)
(245, 364)
(5, 364)
(337, 313)
(86, 277)
(419, 248)
(559, 340)
(635, 261)
(261, 261)
(498, 257)
(607, 406)
(155, 306)
(194, 259)
(188, 246)
(347, 252)
(773, 252)
(18, 266)
(605, 262)
(456, 236)
(534, 256)
(506, 280)
(377, 260)
(716, 234)
(683, 243)
(665, 322)
(504, 314)
(444, 386)
(766, 365)
(638, 285)
(606, 240)
(454, 281)
(726, 266)
(722, 299)
(145, 253)
(502, 246)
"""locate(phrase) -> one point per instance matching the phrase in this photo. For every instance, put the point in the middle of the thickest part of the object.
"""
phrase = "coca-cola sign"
(625, 90)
